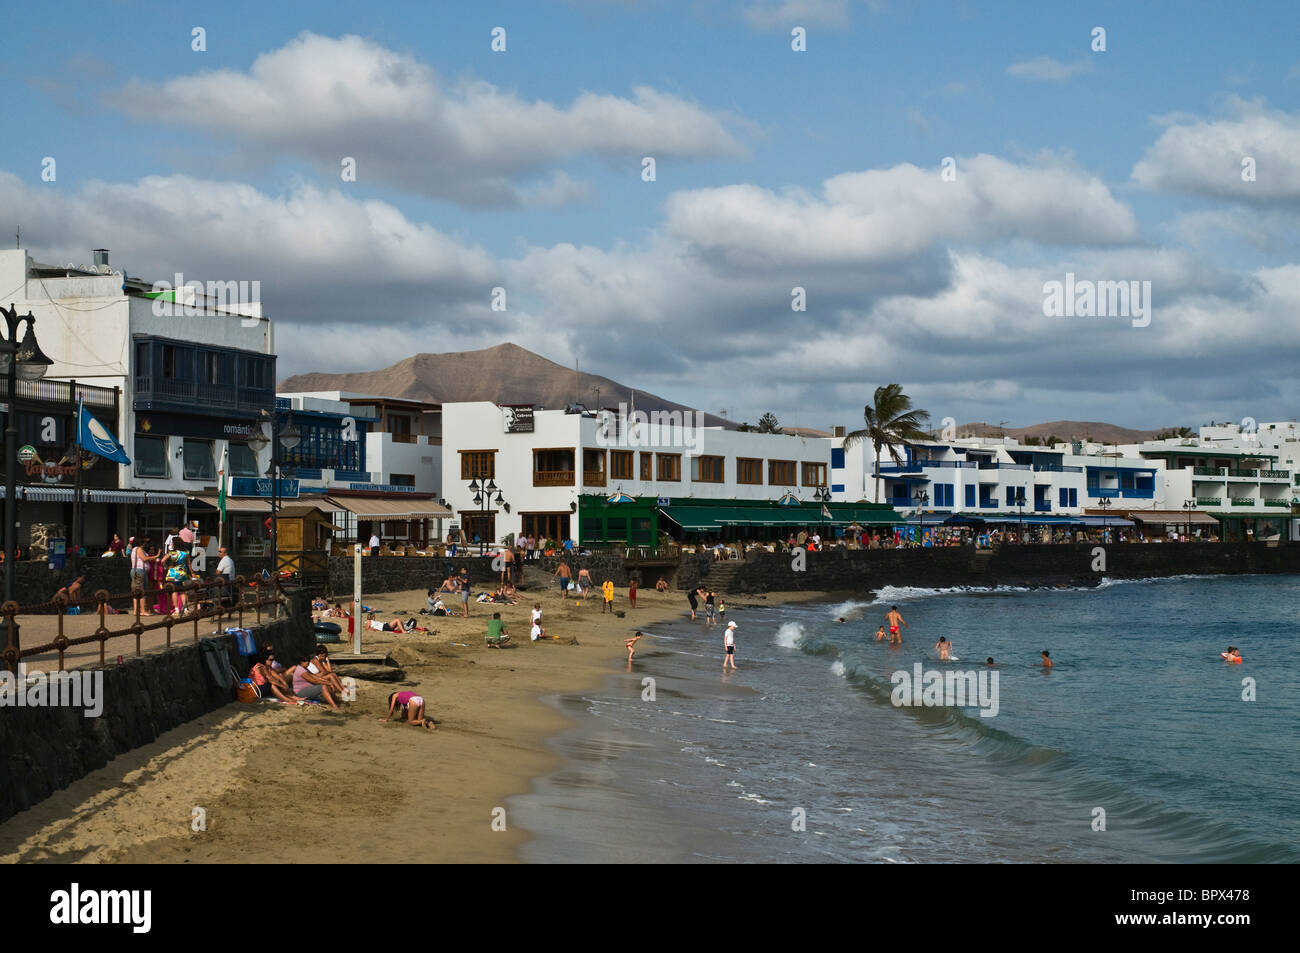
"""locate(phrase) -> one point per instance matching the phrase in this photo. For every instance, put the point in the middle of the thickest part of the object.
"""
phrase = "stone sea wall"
(47, 748)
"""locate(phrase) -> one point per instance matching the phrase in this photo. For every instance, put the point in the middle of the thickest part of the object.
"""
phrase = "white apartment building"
(194, 373)
(553, 470)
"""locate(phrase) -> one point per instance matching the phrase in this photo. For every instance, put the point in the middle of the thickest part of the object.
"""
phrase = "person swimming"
(880, 634)
(944, 648)
(1047, 659)
(990, 663)
(1232, 655)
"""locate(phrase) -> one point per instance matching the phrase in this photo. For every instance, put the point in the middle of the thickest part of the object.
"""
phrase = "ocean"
(1139, 746)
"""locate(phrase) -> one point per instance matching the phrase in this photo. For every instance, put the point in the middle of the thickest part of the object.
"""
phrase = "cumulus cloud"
(1044, 69)
(323, 98)
(1208, 157)
(882, 216)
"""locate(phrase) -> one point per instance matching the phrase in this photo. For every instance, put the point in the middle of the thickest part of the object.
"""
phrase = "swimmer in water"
(840, 620)
(895, 620)
(1232, 655)
(990, 663)
(880, 634)
(1047, 659)
(944, 648)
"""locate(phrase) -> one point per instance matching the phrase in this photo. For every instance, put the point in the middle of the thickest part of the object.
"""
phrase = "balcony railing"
(1109, 492)
(63, 392)
(1209, 501)
(1042, 507)
(1286, 503)
(1243, 501)
(593, 477)
(201, 395)
(1209, 471)
(1274, 475)
(1249, 474)
(553, 477)
(988, 504)
(1055, 468)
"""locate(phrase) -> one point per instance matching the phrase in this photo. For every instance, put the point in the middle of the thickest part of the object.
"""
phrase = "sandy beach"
(282, 783)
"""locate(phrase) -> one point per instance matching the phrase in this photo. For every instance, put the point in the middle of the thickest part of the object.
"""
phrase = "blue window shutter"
(837, 458)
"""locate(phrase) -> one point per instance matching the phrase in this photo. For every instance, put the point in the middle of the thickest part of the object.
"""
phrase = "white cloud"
(881, 216)
(1044, 69)
(786, 14)
(1205, 157)
(323, 98)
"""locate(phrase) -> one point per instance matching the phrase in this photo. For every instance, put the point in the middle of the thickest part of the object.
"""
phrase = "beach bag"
(247, 692)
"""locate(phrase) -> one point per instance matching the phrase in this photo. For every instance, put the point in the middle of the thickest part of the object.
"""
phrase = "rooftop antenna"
(1002, 428)
(18, 237)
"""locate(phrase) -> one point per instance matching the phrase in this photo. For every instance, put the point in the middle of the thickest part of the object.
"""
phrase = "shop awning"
(165, 499)
(235, 504)
(388, 508)
(704, 519)
(1173, 517)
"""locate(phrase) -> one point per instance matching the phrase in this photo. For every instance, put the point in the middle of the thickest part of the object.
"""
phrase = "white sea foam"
(891, 594)
(1107, 581)
(848, 610)
(837, 668)
(789, 635)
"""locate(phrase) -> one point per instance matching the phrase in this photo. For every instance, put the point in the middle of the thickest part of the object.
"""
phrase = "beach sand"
(281, 783)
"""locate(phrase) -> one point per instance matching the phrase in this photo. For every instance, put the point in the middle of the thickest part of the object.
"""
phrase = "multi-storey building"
(194, 375)
(611, 478)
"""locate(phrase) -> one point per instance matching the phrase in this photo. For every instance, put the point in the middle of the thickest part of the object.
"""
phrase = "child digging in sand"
(412, 705)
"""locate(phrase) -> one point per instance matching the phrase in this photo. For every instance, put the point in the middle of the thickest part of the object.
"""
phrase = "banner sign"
(252, 486)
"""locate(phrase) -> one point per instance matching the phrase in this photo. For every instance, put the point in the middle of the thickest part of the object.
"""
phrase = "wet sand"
(282, 783)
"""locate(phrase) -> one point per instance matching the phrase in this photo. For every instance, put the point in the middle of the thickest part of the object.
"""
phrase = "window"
(243, 462)
(670, 467)
(837, 458)
(749, 471)
(178, 362)
(399, 425)
(707, 469)
(647, 461)
(1068, 497)
(151, 456)
(478, 464)
(620, 464)
(814, 474)
(780, 473)
(943, 495)
(970, 497)
(553, 467)
(545, 526)
(197, 456)
(401, 479)
(593, 461)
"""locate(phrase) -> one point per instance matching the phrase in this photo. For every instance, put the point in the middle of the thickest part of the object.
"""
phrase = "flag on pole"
(94, 437)
(221, 476)
(826, 513)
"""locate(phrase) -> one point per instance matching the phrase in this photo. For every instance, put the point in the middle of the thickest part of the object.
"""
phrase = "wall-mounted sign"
(27, 454)
(252, 486)
(519, 418)
(179, 425)
(382, 487)
(663, 501)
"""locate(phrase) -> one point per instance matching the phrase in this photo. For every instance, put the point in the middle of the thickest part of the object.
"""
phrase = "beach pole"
(356, 599)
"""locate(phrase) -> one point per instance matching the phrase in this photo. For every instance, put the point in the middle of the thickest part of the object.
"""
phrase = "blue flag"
(94, 437)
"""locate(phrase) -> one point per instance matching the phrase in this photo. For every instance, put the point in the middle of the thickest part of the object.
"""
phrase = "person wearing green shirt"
(496, 633)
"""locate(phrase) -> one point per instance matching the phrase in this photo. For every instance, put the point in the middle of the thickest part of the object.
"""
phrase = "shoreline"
(283, 783)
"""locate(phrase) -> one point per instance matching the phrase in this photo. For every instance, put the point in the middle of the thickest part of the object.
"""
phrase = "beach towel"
(217, 661)
(244, 639)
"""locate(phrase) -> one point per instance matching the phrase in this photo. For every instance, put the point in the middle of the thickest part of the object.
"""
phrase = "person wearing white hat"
(729, 642)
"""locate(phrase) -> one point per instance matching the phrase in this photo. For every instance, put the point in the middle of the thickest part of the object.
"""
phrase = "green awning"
(713, 518)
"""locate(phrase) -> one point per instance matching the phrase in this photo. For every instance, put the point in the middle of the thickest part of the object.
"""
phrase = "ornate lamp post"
(1020, 506)
(18, 361)
(1104, 503)
(921, 500)
(1189, 505)
(483, 500)
(286, 436)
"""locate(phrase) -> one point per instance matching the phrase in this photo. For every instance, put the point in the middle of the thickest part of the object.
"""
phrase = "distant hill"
(1064, 430)
(505, 374)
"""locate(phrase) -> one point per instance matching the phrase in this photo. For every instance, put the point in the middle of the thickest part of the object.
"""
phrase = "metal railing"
(1209, 501)
(552, 478)
(1243, 501)
(1209, 471)
(209, 596)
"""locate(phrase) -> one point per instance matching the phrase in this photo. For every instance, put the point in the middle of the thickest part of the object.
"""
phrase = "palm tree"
(889, 422)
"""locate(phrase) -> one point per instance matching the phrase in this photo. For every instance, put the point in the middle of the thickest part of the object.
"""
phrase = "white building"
(194, 373)
(553, 469)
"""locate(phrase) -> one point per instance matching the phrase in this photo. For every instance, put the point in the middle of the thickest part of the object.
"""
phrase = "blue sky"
(775, 168)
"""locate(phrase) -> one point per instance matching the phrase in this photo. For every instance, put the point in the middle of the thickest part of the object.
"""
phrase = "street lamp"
(483, 500)
(1189, 505)
(286, 436)
(921, 499)
(1104, 503)
(1020, 505)
(18, 361)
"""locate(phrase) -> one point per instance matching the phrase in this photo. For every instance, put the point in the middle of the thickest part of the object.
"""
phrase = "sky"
(889, 203)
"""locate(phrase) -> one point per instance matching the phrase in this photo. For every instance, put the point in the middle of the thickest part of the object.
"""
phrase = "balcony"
(1281, 475)
(1130, 493)
(1286, 503)
(988, 504)
(1209, 501)
(166, 393)
(593, 477)
(1105, 492)
(1055, 468)
(1243, 501)
(1244, 474)
(553, 477)
(1209, 471)
(1042, 507)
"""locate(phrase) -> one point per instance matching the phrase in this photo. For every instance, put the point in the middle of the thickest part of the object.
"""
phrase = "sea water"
(1140, 745)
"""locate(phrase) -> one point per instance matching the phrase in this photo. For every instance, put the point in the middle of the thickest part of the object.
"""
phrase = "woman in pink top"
(412, 705)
